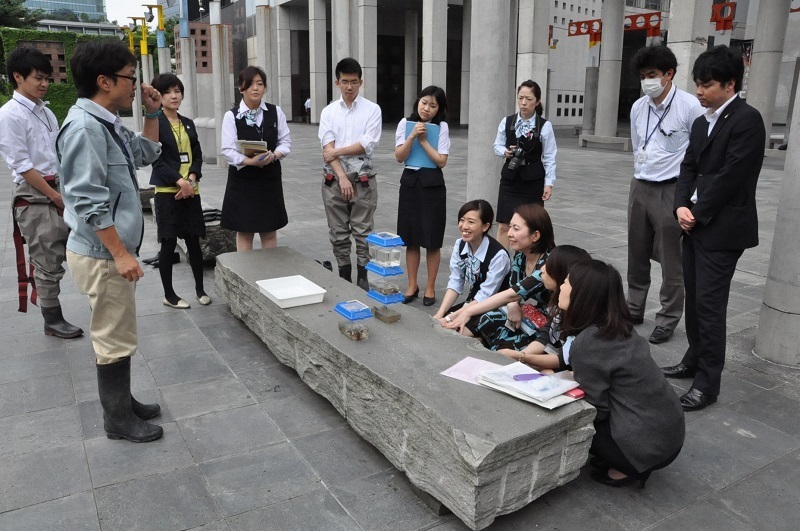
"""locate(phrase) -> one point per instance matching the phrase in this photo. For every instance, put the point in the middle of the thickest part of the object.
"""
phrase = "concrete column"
(610, 69)
(147, 68)
(765, 67)
(411, 77)
(317, 22)
(368, 46)
(264, 49)
(532, 46)
(283, 58)
(590, 100)
(513, 7)
(219, 74)
(340, 35)
(434, 43)
(778, 336)
(466, 25)
(138, 119)
(483, 168)
(688, 35)
(189, 78)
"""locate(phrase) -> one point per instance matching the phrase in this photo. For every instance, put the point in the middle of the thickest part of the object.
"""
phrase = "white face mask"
(652, 87)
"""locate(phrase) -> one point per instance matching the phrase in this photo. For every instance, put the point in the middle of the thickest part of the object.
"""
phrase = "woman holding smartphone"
(254, 193)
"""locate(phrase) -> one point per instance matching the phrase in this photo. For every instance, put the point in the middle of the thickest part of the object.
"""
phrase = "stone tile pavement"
(248, 446)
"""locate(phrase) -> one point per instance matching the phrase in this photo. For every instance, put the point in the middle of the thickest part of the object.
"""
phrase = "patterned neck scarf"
(250, 116)
(524, 128)
(471, 267)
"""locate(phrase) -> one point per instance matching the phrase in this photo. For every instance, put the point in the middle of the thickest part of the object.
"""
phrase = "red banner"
(644, 21)
(593, 28)
(722, 15)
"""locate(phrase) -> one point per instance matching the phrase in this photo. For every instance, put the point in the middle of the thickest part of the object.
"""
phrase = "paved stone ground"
(248, 446)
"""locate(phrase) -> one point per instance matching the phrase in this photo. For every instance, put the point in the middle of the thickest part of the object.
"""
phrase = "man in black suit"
(715, 203)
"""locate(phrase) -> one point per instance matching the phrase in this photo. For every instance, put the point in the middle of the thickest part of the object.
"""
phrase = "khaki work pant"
(354, 217)
(113, 303)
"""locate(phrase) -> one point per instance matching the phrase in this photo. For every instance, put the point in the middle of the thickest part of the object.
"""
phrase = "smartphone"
(576, 393)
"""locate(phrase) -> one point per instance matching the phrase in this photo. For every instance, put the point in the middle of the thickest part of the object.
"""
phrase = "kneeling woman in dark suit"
(639, 424)
(176, 174)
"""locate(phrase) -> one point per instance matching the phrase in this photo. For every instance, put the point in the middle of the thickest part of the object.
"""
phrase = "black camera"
(517, 159)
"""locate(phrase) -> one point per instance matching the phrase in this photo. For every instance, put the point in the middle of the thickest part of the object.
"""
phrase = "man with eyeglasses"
(28, 132)
(349, 131)
(98, 158)
(660, 125)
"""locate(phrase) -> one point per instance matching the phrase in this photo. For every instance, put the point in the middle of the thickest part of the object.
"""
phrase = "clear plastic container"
(354, 330)
(383, 287)
(385, 256)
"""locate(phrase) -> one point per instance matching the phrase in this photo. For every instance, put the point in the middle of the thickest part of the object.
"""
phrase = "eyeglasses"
(665, 133)
(355, 83)
(133, 79)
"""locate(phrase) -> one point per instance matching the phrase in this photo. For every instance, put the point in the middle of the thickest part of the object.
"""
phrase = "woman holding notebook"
(253, 200)
(422, 143)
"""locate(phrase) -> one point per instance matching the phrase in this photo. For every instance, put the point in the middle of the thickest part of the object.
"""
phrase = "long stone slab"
(479, 452)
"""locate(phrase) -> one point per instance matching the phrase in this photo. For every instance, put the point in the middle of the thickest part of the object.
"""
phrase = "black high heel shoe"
(603, 478)
(429, 301)
(599, 464)
(410, 298)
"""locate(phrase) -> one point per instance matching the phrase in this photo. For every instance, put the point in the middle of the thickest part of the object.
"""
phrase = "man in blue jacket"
(98, 159)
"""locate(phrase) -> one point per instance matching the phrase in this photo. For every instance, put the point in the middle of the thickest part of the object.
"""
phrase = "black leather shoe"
(678, 371)
(429, 301)
(660, 335)
(695, 400)
(637, 319)
(410, 298)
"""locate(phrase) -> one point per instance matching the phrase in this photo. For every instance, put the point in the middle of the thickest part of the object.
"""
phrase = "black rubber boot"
(144, 411)
(362, 281)
(346, 272)
(55, 325)
(119, 420)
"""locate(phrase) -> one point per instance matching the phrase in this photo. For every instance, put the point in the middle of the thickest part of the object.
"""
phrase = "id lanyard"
(658, 124)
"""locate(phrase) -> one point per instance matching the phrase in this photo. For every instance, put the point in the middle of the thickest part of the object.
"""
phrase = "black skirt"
(515, 193)
(421, 215)
(179, 218)
(254, 203)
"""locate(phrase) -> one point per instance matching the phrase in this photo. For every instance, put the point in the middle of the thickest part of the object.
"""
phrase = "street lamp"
(143, 42)
(127, 31)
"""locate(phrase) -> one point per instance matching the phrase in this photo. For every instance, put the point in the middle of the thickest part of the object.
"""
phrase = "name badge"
(641, 156)
(184, 157)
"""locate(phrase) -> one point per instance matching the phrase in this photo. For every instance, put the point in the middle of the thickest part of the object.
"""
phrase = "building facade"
(94, 9)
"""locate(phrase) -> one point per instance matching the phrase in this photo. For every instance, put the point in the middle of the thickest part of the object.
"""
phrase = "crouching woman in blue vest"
(478, 260)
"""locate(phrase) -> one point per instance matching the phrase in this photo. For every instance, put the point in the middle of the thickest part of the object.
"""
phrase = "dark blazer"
(724, 168)
(627, 388)
(166, 170)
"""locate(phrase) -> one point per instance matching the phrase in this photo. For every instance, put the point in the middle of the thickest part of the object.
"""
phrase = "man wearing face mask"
(660, 124)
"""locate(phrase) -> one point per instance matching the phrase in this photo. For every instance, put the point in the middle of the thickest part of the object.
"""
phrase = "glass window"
(558, 111)
(559, 98)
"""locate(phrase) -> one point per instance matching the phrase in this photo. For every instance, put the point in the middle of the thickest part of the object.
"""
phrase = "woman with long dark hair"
(176, 175)
(639, 424)
(423, 196)
(527, 143)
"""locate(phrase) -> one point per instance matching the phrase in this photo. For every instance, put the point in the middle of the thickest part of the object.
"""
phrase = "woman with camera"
(528, 144)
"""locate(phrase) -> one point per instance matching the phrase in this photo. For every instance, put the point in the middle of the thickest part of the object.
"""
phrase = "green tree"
(13, 14)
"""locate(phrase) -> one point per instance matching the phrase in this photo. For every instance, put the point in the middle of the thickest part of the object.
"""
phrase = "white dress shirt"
(713, 116)
(28, 134)
(229, 149)
(660, 134)
(498, 269)
(549, 148)
(345, 126)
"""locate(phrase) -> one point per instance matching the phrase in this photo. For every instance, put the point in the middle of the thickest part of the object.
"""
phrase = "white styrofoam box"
(288, 292)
